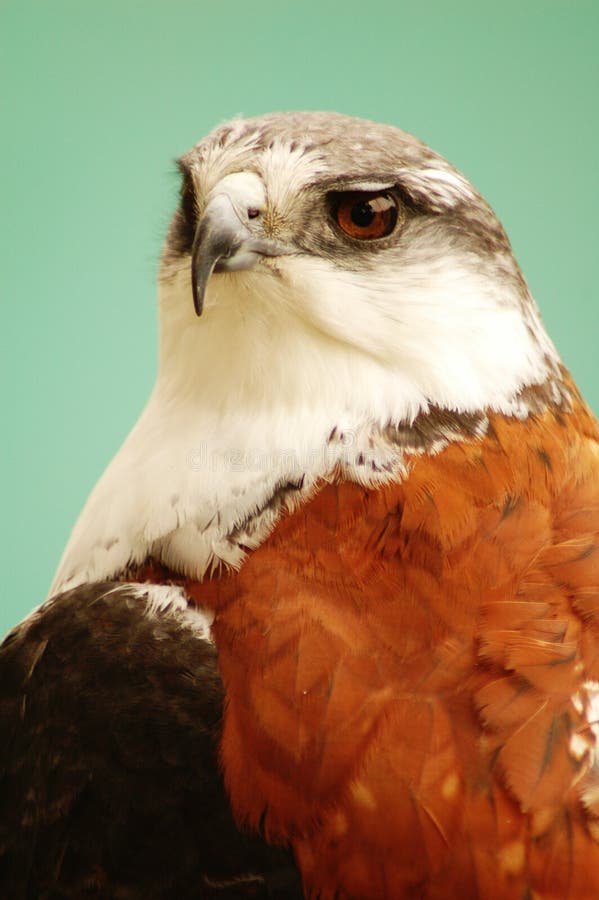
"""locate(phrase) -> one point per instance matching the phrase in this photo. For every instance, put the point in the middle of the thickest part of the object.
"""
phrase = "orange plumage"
(405, 672)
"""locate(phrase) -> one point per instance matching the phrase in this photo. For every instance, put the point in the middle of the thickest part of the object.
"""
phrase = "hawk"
(328, 626)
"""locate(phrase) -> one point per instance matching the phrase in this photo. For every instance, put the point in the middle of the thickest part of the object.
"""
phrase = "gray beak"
(224, 243)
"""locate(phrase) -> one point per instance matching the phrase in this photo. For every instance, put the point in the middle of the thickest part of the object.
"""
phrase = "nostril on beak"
(253, 212)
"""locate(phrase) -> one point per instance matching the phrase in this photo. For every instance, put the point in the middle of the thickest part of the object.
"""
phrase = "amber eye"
(365, 216)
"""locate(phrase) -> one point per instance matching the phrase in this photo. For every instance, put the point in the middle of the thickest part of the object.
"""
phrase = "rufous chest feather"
(409, 673)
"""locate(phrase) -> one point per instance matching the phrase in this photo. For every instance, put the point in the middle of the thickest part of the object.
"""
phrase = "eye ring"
(366, 215)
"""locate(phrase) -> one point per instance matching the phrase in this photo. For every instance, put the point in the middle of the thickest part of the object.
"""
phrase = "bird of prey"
(328, 626)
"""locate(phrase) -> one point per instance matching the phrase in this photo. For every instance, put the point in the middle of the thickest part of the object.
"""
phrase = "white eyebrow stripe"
(449, 178)
(367, 186)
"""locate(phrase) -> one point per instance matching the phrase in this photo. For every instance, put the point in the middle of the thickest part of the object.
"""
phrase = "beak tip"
(198, 300)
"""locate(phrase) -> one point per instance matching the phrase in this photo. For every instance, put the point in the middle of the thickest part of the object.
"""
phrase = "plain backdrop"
(98, 99)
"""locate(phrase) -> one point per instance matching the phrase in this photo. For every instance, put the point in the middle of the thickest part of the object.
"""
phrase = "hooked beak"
(224, 243)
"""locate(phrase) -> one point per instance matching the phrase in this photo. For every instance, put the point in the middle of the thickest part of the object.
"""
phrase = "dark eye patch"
(185, 221)
(188, 209)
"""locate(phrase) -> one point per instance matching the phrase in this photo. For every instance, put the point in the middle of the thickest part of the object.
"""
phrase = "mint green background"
(97, 99)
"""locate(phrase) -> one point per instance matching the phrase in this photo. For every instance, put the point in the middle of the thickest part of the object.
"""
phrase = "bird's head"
(334, 297)
(319, 243)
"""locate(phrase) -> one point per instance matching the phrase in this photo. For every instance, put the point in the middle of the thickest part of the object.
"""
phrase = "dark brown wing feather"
(109, 781)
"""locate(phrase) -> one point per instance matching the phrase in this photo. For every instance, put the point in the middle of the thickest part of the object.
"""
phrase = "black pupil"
(362, 214)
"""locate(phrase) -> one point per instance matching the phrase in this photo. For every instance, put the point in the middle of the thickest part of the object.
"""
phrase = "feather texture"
(110, 712)
(408, 673)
